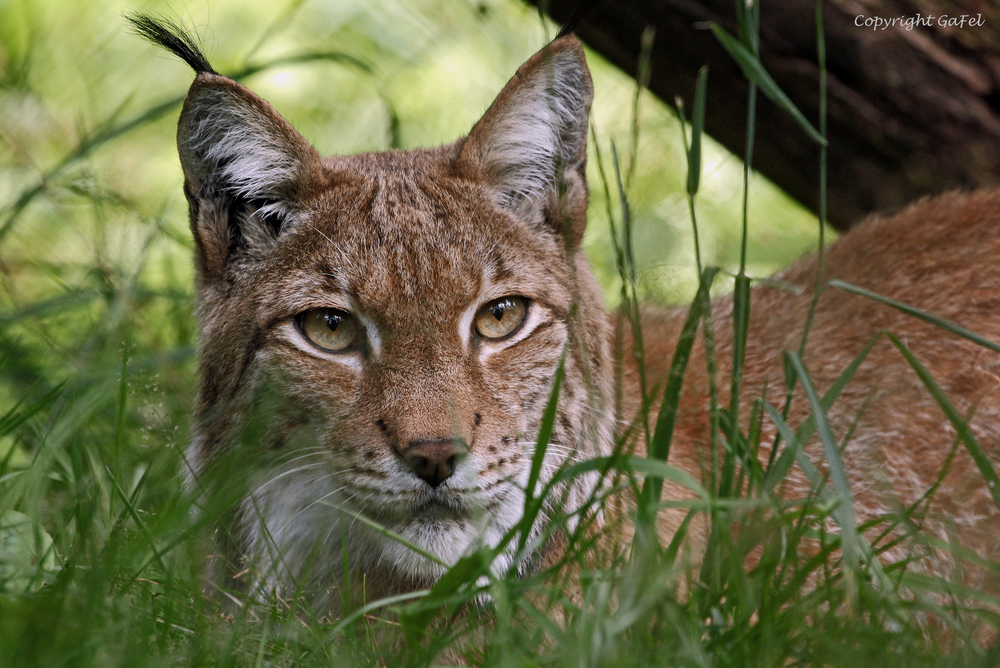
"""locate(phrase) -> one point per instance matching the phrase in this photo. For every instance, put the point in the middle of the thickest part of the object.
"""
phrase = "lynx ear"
(245, 168)
(532, 142)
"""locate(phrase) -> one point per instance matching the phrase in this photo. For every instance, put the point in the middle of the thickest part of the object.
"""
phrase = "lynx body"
(937, 255)
(380, 334)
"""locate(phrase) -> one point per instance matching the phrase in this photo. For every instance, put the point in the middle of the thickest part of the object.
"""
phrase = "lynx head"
(382, 330)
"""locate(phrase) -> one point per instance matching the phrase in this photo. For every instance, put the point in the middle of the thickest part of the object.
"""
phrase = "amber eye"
(328, 328)
(500, 317)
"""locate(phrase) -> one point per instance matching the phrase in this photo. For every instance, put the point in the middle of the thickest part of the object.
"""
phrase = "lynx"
(380, 335)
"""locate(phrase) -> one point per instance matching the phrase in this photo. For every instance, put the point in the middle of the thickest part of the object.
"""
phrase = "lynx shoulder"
(381, 333)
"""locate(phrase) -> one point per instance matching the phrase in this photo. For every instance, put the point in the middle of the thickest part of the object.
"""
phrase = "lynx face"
(380, 332)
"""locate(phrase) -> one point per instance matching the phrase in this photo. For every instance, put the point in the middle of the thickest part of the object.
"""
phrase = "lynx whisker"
(293, 471)
(303, 453)
(321, 499)
(345, 259)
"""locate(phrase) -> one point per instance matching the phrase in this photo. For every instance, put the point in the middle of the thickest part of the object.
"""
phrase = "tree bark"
(911, 112)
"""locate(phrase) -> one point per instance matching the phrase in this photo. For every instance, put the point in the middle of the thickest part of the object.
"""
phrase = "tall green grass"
(101, 556)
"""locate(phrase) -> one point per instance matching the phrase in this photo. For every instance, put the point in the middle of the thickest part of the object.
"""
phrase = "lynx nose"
(434, 461)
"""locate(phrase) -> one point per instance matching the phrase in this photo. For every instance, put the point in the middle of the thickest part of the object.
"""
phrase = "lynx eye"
(500, 317)
(328, 328)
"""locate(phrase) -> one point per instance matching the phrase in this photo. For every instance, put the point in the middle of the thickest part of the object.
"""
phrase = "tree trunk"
(911, 112)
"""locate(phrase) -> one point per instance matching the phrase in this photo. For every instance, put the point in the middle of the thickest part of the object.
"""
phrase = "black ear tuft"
(246, 169)
(576, 18)
(172, 37)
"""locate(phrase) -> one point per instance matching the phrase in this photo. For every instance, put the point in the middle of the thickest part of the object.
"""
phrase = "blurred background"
(95, 254)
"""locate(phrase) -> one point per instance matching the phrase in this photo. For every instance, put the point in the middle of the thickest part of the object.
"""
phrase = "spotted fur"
(414, 243)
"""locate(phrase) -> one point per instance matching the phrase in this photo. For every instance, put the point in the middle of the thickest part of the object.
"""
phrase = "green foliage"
(101, 556)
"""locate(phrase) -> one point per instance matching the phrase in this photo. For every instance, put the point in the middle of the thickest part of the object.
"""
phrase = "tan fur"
(938, 255)
(414, 242)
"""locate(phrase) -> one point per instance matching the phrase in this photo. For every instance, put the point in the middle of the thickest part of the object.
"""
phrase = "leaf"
(808, 426)
(418, 615)
(844, 512)
(531, 505)
(741, 326)
(755, 72)
(956, 419)
(645, 466)
(27, 553)
(946, 325)
(697, 126)
(659, 446)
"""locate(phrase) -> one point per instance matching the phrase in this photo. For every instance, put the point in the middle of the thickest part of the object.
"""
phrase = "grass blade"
(659, 446)
(794, 450)
(650, 468)
(697, 127)
(956, 419)
(755, 72)
(389, 533)
(466, 570)
(532, 506)
(364, 610)
(808, 427)
(741, 325)
(12, 420)
(844, 512)
(674, 547)
(545, 433)
(946, 325)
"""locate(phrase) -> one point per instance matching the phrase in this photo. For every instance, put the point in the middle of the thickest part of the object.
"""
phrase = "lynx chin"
(380, 334)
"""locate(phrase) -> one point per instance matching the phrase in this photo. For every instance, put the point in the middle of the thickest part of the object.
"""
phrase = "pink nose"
(434, 461)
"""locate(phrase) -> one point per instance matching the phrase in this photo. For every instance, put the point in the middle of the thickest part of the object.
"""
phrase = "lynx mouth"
(443, 506)
(428, 504)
